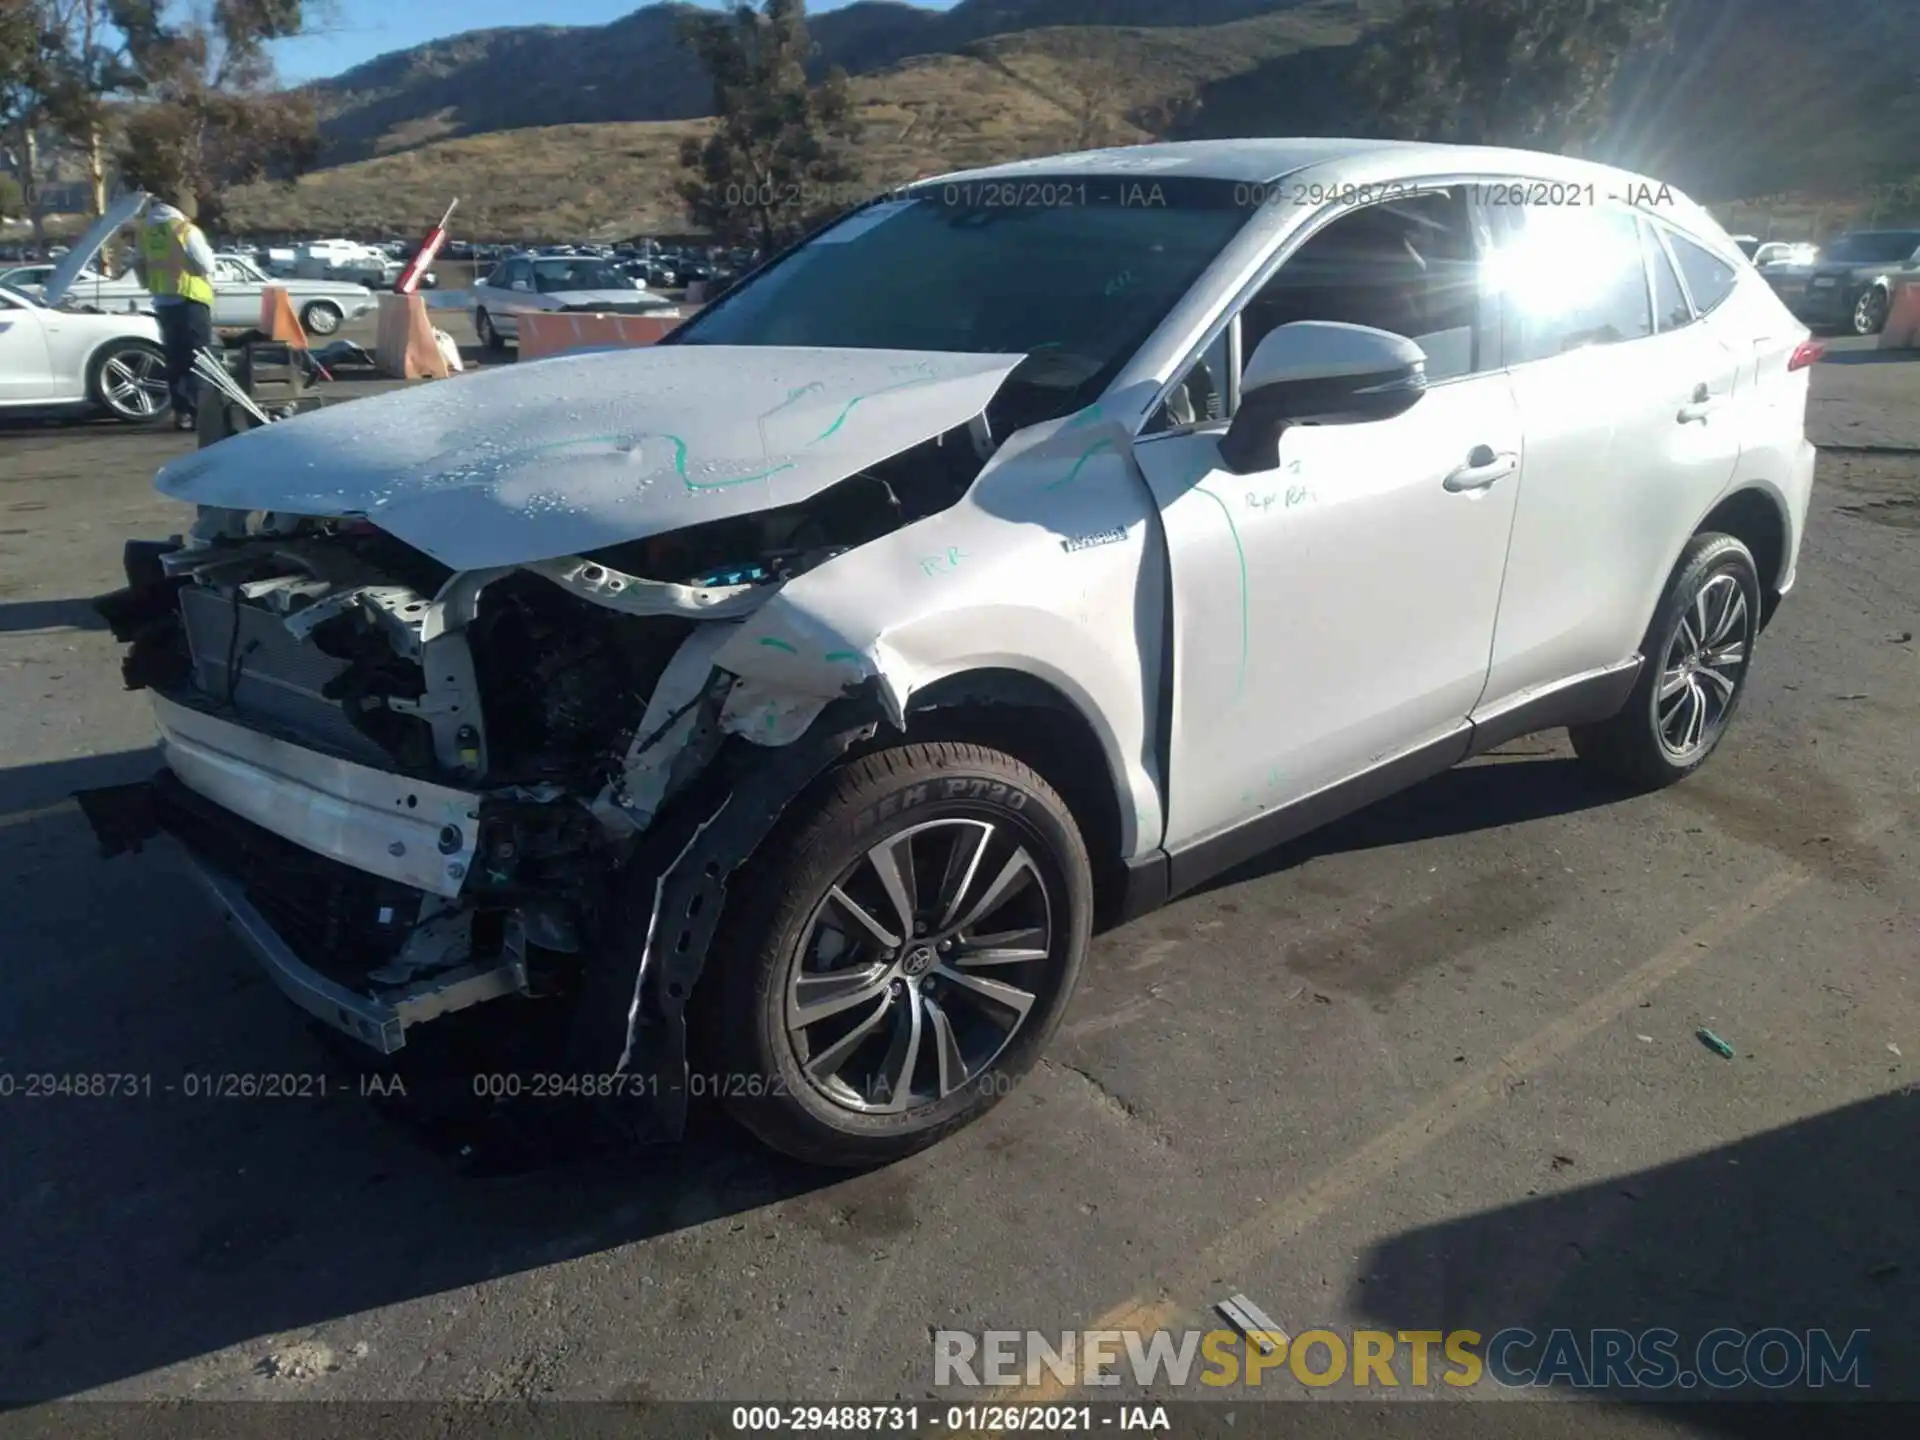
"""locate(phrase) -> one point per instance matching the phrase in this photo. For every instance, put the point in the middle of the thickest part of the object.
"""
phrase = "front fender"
(1053, 565)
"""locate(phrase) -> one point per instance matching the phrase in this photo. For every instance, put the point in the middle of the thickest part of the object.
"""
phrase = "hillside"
(1003, 96)
(556, 130)
(636, 68)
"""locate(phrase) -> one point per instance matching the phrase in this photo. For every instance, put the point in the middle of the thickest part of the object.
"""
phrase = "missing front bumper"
(381, 1023)
(125, 817)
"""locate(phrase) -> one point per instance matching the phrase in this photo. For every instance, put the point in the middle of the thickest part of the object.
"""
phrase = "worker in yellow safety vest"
(176, 266)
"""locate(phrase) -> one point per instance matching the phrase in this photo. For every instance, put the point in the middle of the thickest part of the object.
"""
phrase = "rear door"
(1630, 436)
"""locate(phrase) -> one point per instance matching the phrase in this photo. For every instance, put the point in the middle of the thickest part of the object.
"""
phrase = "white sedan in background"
(322, 305)
(90, 288)
(579, 283)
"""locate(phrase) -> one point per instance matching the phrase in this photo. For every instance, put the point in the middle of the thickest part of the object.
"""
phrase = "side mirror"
(1319, 372)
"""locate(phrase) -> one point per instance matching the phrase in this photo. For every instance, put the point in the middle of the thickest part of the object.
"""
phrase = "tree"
(208, 115)
(1535, 73)
(776, 163)
(24, 75)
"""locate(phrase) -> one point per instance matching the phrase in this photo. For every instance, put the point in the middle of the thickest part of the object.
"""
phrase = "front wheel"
(1698, 651)
(489, 337)
(1870, 312)
(899, 957)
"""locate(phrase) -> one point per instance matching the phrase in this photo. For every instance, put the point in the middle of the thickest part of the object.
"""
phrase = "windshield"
(1876, 247)
(550, 276)
(1075, 273)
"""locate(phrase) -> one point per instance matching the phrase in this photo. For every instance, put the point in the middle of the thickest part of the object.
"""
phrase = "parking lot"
(1433, 1068)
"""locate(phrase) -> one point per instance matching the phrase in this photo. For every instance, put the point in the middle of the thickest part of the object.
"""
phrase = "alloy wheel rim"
(1866, 313)
(133, 384)
(322, 321)
(920, 965)
(1705, 662)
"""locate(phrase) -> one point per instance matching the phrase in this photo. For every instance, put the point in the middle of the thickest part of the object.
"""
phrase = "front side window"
(1074, 273)
(1710, 280)
(1411, 267)
(1569, 277)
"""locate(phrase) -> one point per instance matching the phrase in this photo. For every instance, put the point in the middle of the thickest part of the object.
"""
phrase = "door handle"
(1703, 404)
(1483, 468)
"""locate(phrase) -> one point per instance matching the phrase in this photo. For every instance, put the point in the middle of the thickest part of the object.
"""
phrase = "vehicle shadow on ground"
(161, 1218)
(1804, 1228)
(17, 616)
(1506, 789)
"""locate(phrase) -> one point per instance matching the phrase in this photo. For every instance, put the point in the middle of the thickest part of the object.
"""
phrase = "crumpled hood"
(520, 463)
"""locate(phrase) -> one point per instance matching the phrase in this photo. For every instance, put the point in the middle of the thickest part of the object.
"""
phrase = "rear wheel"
(321, 317)
(1870, 312)
(1698, 651)
(128, 380)
(900, 957)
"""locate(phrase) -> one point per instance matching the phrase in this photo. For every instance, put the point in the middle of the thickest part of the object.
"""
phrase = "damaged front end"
(414, 789)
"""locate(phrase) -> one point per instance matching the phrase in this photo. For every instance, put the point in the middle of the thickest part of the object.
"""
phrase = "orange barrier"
(277, 320)
(546, 332)
(403, 345)
(1902, 331)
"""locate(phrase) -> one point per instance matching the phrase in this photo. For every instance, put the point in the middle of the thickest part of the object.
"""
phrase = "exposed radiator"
(279, 679)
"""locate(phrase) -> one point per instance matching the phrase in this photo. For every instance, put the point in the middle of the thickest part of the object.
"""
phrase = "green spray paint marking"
(853, 657)
(841, 418)
(1084, 417)
(1240, 554)
(1085, 455)
(773, 644)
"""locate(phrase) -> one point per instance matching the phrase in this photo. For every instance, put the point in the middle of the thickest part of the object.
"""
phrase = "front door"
(25, 364)
(1337, 610)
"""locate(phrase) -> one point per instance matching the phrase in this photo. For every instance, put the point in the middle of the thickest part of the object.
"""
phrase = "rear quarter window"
(1710, 280)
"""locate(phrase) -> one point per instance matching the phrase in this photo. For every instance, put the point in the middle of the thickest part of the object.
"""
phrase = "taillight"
(1805, 353)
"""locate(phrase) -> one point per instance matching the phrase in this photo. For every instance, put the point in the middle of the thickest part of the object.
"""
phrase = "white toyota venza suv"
(774, 712)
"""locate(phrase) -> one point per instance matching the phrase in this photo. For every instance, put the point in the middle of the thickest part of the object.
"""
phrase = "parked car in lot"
(772, 712)
(89, 289)
(553, 282)
(54, 358)
(1851, 286)
(322, 305)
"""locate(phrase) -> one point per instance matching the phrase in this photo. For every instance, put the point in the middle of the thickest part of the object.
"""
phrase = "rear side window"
(1670, 308)
(1568, 278)
(1710, 279)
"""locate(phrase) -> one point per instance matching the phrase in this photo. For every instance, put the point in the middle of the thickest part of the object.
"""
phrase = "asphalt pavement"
(1433, 1068)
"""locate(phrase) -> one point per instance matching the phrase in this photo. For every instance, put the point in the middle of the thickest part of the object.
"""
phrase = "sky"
(347, 32)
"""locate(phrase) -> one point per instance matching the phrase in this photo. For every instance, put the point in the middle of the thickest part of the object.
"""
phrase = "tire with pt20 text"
(897, 957)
